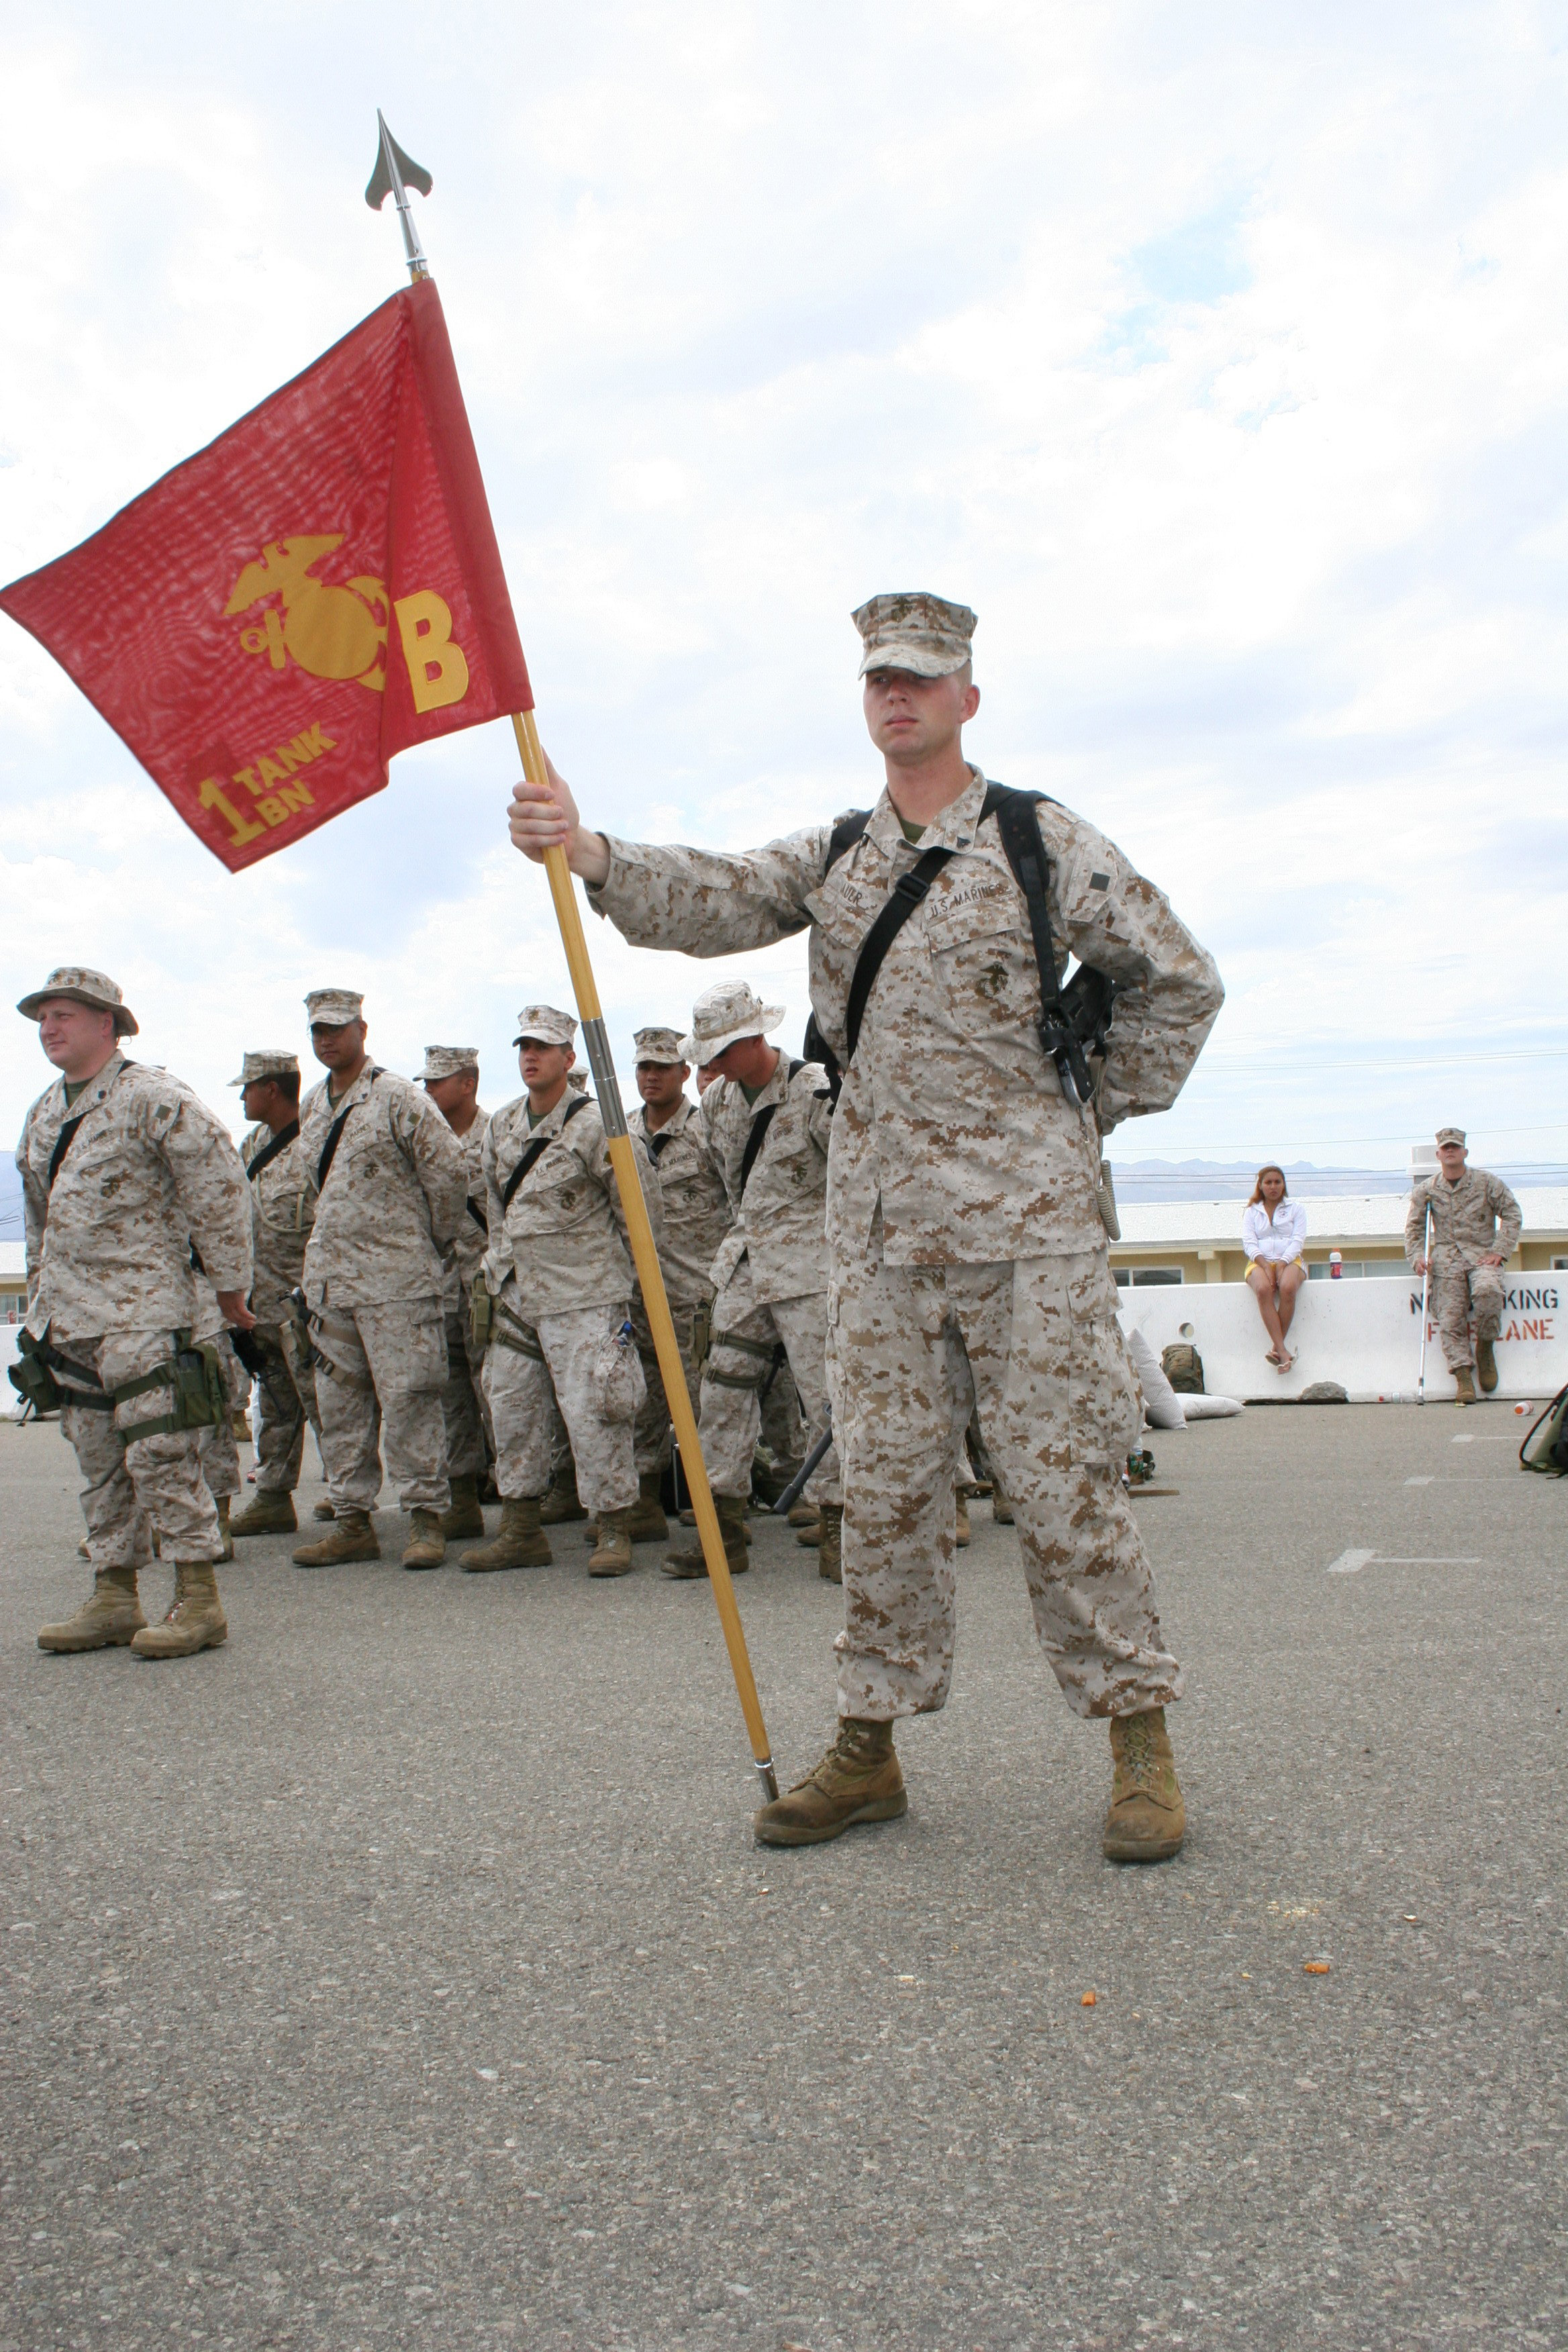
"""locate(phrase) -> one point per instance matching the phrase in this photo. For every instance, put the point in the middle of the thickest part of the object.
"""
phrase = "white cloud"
(1216, 356)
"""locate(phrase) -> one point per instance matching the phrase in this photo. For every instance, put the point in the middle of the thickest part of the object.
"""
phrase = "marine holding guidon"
(966, 1235)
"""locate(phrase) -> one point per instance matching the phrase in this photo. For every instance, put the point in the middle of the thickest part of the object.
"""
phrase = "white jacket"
(1277, 1239)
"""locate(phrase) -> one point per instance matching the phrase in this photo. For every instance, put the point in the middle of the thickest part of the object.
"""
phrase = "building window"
(1143, 1278)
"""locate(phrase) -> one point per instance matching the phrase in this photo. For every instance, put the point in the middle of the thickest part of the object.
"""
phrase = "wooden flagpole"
(623, 1159)
(606, 1088)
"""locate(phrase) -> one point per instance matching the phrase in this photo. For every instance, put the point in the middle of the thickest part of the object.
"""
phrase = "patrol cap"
(446, 1061)
(658, 1045)
(545, 1025)
(271, 1062)
(914, 630)
(723, 1016)
(83, 986)
(332, 1007)
(1452, 1135)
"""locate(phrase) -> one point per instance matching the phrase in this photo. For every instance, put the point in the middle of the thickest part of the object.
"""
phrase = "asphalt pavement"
(403, 1974)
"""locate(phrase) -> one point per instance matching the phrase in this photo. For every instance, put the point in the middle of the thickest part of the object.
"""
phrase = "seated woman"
(1274, 1230)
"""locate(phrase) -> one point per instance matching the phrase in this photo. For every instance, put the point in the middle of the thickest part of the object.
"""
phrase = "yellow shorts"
(1277, 1266)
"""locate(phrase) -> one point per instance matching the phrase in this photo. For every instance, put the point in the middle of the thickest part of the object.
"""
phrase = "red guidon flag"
(318, 589)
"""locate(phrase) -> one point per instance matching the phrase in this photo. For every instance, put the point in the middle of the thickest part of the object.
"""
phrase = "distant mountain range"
(1233, 1179)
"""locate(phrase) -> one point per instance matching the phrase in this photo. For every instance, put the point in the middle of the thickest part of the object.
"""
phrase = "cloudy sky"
(1215, 355)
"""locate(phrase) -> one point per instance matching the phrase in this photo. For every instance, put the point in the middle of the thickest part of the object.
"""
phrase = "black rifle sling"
(537, 1149)
(270, 1151)
(654, 1144)
(1062, 1019)
(761, 1122)
(330, 1148)
(63, 1142)
(477, 1214)
(1018, 822)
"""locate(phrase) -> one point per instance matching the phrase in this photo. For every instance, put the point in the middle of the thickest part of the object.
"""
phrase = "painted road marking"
(1418, 1482)
(1477, 1437)
(1351, 1563)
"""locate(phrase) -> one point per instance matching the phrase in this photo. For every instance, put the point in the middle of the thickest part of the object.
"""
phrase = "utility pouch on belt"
(194, 1374)
(32, 1378)
(480, 1316)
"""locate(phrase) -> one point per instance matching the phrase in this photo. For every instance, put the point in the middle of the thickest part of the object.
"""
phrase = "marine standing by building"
(451, 1079)
(768, 1121)
(124, 1173)
(559, 1276)
(968, 1250)
(388, 1177)
(1476, 1225)
(282, 1210)
(696, 1220)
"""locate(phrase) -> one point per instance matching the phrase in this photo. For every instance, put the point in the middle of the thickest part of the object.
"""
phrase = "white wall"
(1366, 1335)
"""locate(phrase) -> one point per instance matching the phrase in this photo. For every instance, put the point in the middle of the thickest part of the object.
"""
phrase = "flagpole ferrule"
(606, 1086)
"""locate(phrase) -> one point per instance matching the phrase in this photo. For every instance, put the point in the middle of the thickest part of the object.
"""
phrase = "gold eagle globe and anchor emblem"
(332, 629)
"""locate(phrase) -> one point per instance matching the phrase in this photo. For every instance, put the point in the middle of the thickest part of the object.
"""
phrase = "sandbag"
(1209, 1408)
(1161, 1403)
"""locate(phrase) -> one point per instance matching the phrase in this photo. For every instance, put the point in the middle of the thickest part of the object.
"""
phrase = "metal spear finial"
(394, 175)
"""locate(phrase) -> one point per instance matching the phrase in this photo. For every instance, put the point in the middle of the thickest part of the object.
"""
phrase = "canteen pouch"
(31, 1378)
(480, 1314)
(618, 1376)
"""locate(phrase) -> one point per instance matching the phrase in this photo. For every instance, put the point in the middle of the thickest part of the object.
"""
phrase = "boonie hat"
(1451, 1135)
(545, 1024)
(333, 1006)
(446, 1061)
(271, 1062)
(914, 630)
(722, 1016)
(83, 986)
(658, 1045)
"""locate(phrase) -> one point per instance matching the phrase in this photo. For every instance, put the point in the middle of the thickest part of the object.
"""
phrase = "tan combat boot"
(830, 1550)
(426, 1546)
(520, 1543)
(108, 1618)
(1146, 1820)
(322, 1510)
(690, 1561)
(352, 1537)
(962, 1536)
(1001, 1508)
(646, 1522)
(612, 1553)
(801, 1514)
(1464, 1385)
(563, 1502)
(858, 1779)
(266, 1514)
(1486, 1366)
(224, 1531)
(465, 1516)
(195, 1622)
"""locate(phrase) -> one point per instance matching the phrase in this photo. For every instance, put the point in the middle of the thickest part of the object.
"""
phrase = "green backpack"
(1546, 1446)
